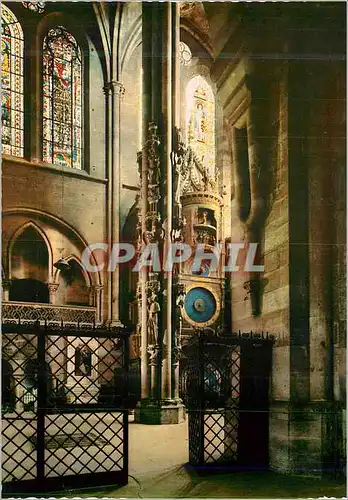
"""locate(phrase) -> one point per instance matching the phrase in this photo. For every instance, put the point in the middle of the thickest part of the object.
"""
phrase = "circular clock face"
(200, 305)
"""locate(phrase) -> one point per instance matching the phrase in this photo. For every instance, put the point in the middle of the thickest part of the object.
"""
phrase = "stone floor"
(156, 468)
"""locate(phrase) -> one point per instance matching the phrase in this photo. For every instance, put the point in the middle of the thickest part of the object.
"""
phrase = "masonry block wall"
(302, 301)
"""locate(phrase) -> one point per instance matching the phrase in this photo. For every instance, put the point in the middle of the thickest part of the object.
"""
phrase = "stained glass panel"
(185, 54)
(62, 99)
(35, 6)
(200, 121)
(12, 84)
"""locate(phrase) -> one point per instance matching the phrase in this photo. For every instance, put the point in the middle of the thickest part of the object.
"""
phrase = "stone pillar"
(113, 95)
(94, 299)
(52, 289)
(6, 284)
(160, 91)
(179, 292)
(306, 429)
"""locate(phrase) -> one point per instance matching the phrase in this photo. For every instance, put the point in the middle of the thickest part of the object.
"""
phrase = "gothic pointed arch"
(74, 260)
(18, 233)
(131, 40)
(74, 284)
(51, 220)
(195, 25)
(130, 234)
(29, 266)
(12, 84)
(104, 42)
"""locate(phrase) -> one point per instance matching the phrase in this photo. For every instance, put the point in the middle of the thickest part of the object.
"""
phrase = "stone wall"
(73, 196)
(303, 244)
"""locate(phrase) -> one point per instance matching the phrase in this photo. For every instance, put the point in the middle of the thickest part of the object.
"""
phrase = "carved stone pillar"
(160, 98)
(52, 289)
(179, 290)
(114, 92)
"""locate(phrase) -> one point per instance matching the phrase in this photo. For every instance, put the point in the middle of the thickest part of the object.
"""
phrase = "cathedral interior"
(197, 123)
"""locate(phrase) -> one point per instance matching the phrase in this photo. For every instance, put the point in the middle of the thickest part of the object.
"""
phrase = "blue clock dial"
(200, 305)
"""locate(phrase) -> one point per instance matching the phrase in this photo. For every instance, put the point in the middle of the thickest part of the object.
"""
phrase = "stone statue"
(138, 231)
(152, 323)
(178, 159)
(83, 361)
(205, 217)
(177, 231)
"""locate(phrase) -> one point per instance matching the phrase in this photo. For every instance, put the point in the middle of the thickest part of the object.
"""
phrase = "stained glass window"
(62, 99)
(35, 6)
(200, 121)
(12, 83)
(185, 54)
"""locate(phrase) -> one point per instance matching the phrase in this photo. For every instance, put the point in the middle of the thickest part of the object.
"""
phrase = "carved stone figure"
(138, 231)
(153, 164)
(83, 361)
(205, 218)
(177, 231)
(152, 324)
(180, 295)
(154, 229)
(154, 353)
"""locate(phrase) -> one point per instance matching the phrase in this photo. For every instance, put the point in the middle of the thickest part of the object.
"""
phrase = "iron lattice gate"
(224, 385)
(64, 416)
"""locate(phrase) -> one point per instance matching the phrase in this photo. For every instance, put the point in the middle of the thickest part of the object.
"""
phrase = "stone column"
(52, 289)
(294, 413)
(160, 90)
(179, 292)
(113, 94)
(94, 299)
(6, 284)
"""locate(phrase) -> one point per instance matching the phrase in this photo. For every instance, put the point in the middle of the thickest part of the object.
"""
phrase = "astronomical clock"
(199, 212)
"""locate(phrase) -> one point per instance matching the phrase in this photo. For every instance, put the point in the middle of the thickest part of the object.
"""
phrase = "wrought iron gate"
(224, 386)
(64, 419)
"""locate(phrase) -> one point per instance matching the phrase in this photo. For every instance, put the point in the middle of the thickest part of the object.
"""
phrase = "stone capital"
(6, 283)
(52, 287)
(154, 352)
(115, 88)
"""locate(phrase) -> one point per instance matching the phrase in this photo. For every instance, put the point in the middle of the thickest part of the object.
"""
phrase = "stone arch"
(74, 284)
(17, 234)
(74, 258)
(194, 24)
(131, 43)
(129, 278)
(29, 265)
(65, 228)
